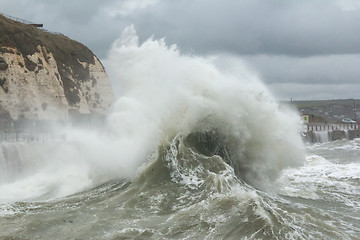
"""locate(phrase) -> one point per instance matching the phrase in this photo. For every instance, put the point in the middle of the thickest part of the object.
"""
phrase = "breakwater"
(330, 132)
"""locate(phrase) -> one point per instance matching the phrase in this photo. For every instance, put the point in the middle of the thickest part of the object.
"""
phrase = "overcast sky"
(304, 49)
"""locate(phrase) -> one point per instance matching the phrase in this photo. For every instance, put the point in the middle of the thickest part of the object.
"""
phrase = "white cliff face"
(96, 95)
(32, 86)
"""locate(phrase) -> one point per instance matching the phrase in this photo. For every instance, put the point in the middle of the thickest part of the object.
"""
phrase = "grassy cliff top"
(26, 38)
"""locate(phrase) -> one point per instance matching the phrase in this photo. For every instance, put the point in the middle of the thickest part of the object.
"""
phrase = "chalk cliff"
(46, 76)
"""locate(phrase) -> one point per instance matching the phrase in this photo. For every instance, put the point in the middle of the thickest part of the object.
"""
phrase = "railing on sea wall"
(332, 127)
(24, 131)
(330, 132)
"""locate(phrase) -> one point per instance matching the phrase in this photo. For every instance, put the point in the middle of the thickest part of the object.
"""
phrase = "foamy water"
(195, 148)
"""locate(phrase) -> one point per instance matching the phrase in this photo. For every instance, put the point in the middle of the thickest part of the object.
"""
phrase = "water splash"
(165, 94)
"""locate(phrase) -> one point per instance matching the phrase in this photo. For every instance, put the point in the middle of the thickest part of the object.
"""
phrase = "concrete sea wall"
(331, 132)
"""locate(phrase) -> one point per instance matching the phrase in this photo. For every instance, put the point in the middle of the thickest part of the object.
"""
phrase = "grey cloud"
(254, 26)
(238, 26)
(83, 20)
(326, 69)
(292, 44)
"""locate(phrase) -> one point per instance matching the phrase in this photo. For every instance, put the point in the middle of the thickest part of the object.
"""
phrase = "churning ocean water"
(195, 148)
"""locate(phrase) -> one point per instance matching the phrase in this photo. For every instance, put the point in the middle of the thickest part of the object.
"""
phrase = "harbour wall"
(330, 132)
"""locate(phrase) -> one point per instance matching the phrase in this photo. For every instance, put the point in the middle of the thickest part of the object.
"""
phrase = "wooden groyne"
(330, 132)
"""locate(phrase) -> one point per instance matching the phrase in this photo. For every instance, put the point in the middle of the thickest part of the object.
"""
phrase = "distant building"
(305, 119)
(311, 118)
